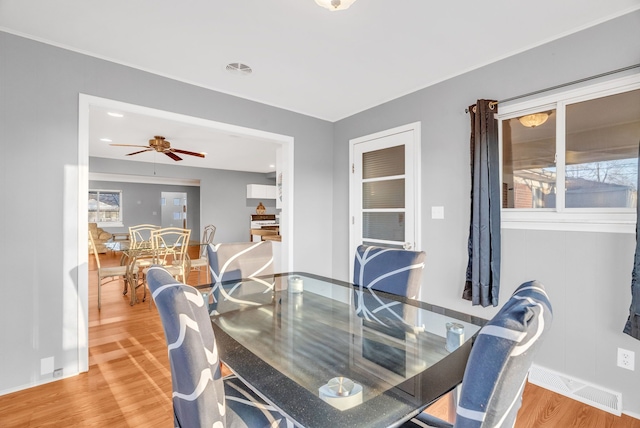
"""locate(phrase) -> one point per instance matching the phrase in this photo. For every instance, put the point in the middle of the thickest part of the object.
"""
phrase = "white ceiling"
(306, 59)
(224, 149)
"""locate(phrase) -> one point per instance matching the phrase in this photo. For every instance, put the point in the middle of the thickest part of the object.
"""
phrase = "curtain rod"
(608, 73)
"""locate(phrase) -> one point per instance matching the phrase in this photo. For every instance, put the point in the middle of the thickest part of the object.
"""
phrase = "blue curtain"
(483, 269)
(632, 328)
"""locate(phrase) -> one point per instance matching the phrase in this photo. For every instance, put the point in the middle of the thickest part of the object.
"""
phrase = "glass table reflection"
(289, 347)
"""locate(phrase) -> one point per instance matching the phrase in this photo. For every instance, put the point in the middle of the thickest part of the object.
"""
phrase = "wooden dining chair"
(140, 237)
(201, 397)
(140, 234)
(112, 273)
(202, 263)
(170, 248)
(497, 368)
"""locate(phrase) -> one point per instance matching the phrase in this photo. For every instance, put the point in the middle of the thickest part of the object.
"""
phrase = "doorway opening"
(86, 102)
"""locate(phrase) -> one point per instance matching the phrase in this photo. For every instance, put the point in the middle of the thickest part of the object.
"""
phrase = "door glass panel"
(385, 226)
(602, 152)
(383, 162)
(383, 194)
(528, 162)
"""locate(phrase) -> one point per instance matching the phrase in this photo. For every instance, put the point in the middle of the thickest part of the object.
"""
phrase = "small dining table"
(131, 255)
(328, 353)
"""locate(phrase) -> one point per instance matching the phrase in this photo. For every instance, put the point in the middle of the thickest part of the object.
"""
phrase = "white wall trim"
(85, 102)
(146, 179)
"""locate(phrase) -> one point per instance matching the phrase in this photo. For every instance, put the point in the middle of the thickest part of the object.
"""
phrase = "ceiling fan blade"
(128, 145)
(141, 151)
(173, 156)
(184, 152)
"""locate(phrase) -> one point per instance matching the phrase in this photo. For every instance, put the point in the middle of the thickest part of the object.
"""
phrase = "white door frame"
(417, 187)
(87, 101)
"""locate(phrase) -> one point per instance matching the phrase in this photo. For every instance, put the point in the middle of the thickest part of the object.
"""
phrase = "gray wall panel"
(574, 282)
(40, 87)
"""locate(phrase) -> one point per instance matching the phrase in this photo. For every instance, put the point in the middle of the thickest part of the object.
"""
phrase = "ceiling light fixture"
(334, 5)
(113, 114)
(533, 120)
(106, 140)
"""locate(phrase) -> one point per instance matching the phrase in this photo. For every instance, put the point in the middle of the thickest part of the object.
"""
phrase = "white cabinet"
(261, 191)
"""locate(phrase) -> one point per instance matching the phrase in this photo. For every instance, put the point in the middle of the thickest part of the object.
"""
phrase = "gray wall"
(588, 275)
(140, 201)
(39, 87)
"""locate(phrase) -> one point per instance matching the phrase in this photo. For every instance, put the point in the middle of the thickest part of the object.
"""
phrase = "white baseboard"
(590, 394)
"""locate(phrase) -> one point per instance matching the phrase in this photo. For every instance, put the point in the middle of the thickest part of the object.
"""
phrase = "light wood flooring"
(129, 382)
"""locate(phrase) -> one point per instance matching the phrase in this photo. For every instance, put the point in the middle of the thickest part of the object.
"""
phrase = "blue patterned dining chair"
(497, 369)
(390, 270)
(238, 260)
(201, 397)
(248, 261)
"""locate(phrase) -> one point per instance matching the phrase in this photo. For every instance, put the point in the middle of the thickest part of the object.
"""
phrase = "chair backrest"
(238, 260)
(94, 250)
(140, 234)
(500, 359)
(390, 270)
(207, 238)
(198, 389)
(171, 242)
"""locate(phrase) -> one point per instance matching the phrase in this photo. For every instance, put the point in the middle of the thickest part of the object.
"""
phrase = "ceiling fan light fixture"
(533, 120)
(334, 5)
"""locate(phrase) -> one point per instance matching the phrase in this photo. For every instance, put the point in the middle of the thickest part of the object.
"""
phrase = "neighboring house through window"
(105, 207)
(570, 160)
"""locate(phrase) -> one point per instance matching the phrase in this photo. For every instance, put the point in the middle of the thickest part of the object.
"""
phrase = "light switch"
(437, 213)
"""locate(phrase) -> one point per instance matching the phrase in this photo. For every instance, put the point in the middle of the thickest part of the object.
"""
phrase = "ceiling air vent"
(239, 68)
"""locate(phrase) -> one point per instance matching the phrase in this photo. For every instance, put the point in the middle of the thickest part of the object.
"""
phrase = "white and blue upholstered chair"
(499, 362)
(237, 261)
(390, 270)
(201, 397)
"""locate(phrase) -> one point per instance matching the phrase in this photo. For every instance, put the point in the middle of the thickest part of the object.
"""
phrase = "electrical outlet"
(57, 373)
(626, 359)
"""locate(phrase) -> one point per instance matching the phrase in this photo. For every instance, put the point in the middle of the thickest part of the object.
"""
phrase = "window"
(572, 158)
(105, 207)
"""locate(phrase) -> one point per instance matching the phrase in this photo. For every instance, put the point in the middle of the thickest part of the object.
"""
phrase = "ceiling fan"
(160, 145)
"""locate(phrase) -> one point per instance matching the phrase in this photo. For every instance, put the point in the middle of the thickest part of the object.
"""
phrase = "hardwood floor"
(129, 382)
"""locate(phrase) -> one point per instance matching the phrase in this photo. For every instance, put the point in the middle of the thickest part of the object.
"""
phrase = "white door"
(384, 194)
(174, 209)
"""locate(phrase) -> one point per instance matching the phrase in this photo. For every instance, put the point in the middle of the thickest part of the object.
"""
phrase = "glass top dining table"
(327, 353)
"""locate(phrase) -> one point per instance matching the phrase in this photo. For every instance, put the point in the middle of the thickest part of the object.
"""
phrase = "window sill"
(570, 222)
(110, 224)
